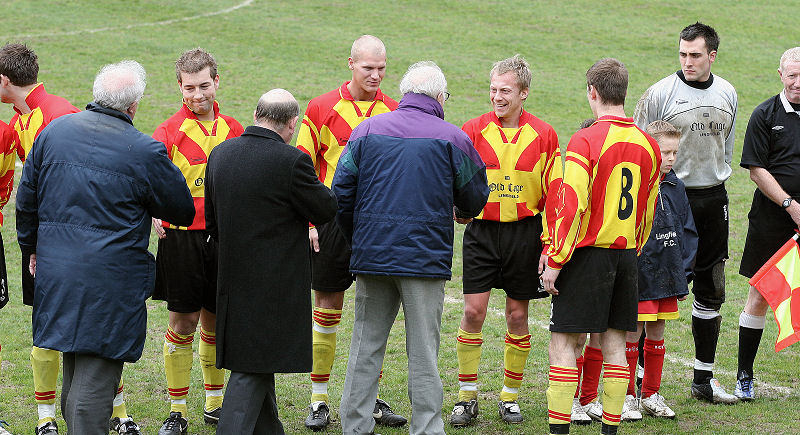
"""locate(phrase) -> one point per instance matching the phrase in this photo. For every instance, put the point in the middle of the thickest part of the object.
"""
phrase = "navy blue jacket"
(88, 190)
(667, 259)
(397, 183)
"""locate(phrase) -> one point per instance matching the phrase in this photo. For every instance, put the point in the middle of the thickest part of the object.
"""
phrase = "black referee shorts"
(598, 289)
(186, 271)
(503, 255)
(768, 229)
(330, 267)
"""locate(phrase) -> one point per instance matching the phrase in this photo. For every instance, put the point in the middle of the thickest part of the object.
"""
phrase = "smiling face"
(199, 91)
(669, 152)
(507, 98)
(695, 59)
(790, 77)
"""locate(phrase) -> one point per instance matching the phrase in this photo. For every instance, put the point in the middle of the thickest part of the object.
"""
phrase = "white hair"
(424, 78)
(119, 85)
(790, 55)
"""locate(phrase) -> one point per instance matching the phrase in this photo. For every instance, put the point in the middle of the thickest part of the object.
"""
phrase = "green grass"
(303, 46)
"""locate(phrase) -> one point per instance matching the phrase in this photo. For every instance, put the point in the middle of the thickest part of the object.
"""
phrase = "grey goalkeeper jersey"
(706, 119)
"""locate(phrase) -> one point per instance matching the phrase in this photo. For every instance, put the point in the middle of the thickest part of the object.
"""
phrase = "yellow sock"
(468, 349)
(615, 385)
(119, 410)
(178, 367)
(213, 378)
(560, 391)
(514, 357)
(44, 363)
(326, 322)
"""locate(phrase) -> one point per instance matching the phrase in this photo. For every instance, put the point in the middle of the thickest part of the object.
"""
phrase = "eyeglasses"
(446, 95)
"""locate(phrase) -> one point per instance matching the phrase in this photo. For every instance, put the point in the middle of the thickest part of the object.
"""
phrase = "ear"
(216, 82)
(712, 55)
(524, 94)
(350, 63)
(293, 123)
(254, 117)
(4, 80)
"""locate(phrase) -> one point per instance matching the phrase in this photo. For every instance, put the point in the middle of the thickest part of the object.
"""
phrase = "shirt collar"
(786, 106)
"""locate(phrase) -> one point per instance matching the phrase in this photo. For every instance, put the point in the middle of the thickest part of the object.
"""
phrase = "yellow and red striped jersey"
(7, 160)
(522, 165)
(44, 108)
(189, 141)
(328, 122)
(608, 191)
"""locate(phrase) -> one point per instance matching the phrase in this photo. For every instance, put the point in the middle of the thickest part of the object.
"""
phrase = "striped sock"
(326, 322)
(468, 349)
(561, 387)
(178, 367)
(119, 410)
(515, 355)
(44, 363)
(213, 378)
(615, 385)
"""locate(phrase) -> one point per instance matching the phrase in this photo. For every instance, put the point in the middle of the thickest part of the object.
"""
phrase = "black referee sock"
(749, 339)
(706, 333)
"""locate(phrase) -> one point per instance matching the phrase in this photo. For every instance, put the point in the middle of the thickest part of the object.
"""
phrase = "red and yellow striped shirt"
(521, 166)
(189, 141)
(608, 192)
(44, 108)
(328, 122)
(7, 161)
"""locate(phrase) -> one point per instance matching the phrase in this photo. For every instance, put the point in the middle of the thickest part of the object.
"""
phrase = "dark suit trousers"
(250, 406)
(87, 393)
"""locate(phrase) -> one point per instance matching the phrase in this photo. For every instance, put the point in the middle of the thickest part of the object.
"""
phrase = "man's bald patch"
(276, 108)
(367, 44)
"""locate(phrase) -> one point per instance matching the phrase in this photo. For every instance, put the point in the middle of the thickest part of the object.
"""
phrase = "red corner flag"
(779, 282)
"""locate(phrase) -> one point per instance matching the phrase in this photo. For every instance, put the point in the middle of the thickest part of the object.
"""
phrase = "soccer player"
(703, 107)
(664, 265)
(503, 246)
(600, 221)
(186, 261)
(327, 124)
(771, 152)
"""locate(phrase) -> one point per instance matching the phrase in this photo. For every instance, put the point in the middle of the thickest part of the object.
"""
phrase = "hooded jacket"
(88, 190)
(667, 259)
(397, 183)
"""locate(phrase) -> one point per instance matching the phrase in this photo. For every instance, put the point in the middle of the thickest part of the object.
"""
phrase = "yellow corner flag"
(779, 282)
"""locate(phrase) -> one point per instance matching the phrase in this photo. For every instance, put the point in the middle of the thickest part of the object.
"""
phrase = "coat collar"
(94, 107)
(422, 103)
(670, 178)
(255, 130)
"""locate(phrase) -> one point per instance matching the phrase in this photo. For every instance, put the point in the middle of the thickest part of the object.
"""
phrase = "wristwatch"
(786, 202)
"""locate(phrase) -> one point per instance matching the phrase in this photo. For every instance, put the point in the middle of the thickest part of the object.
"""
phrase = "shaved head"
(367, 44)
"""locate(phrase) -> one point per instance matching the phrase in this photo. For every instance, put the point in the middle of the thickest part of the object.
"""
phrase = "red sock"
(653, 366)
(632, 355)
(579, 363)
(592, 366)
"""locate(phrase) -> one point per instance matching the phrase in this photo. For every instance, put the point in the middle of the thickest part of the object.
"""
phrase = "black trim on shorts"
(503, 255)
(598, 290)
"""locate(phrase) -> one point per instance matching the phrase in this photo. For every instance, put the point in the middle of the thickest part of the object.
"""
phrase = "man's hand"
(683, 298)
(542, 263)
(794, 212)
(549, 277)
(462, 221)
(313, 239)
(32, 265)
(159, 228)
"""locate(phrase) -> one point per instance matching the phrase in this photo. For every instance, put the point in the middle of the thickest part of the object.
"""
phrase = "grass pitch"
(303, 46)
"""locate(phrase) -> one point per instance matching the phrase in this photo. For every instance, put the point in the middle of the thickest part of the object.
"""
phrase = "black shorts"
(3, 276)
(330, 267)
(768, 229)
(503, 255)
(186, 271)
(710, 210)
(598, 290)
(27, 278)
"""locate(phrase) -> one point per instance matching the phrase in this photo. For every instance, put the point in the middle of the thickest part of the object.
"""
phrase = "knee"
(474, 315)
(756, 305)
(184, 325)
(517, 321)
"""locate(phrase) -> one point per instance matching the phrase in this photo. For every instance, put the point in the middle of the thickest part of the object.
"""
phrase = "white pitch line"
(135, 25)
(777, 389)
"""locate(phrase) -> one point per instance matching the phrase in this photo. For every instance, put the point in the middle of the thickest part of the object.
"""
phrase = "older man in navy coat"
(89, 188)
(260, 195)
